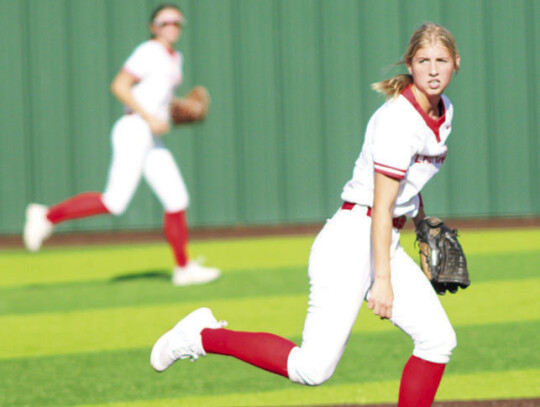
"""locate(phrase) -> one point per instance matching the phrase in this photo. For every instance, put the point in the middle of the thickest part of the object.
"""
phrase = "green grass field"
(77, 326)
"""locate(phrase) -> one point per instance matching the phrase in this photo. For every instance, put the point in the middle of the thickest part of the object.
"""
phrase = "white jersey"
(158, 71)
(403, 142)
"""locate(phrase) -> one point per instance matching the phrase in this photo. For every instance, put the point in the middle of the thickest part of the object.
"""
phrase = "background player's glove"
(192, 108)
(441, 256)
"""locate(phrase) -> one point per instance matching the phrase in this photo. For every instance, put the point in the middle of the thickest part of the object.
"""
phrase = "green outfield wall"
(289, 81)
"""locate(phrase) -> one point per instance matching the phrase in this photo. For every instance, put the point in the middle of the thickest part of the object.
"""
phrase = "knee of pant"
(437, 348)
(115, 208)
(308, 371)
(177, 206)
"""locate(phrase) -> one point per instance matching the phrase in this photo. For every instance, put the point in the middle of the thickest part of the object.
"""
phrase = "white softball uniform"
(403, 142)
(136, 151)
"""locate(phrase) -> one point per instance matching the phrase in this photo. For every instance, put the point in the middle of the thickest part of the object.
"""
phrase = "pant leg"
(164, 177)
(131, 143)
(418, 311)
(340, 272)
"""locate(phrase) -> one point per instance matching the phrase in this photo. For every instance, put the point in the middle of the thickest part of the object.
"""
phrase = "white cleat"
(184, 340)
(37, 227)
(194, 273)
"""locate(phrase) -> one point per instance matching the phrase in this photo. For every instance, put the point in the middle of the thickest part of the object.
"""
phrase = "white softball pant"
(137, 152)
(341, 274)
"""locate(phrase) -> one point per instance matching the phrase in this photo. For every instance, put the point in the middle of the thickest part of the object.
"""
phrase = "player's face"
(432, 68)
(167, 26)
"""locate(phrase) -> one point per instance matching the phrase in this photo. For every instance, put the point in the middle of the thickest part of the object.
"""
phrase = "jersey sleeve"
(393, 144)
(139, 62)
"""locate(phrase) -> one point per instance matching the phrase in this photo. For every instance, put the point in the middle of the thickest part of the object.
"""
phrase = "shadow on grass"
(147, 275)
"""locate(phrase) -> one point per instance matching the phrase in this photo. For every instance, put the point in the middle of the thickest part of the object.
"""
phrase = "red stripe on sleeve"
(390, 174)
(393, 172)
(391, 168)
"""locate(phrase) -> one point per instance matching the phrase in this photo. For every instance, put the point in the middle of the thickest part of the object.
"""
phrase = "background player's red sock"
(80, 206)
(176, 231)
(419, 382)
(267, 351)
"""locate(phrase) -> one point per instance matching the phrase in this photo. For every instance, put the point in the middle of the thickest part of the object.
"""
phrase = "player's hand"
(158, 126)
(381, 298)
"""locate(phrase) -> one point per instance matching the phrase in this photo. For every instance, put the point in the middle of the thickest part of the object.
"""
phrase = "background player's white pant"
(137, 152)
(341, 274)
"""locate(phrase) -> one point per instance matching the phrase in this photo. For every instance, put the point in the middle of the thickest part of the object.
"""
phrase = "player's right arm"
(381, 296)
(121, 88)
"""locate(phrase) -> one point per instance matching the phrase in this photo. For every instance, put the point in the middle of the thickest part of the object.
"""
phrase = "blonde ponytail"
(393, 87)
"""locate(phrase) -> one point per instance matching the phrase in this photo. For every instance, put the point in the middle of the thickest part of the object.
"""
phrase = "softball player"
(357, 255)
(145, 85)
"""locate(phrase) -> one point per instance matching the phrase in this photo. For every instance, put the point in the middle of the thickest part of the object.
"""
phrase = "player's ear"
(409, 68)
(153, 29)
(458, 63)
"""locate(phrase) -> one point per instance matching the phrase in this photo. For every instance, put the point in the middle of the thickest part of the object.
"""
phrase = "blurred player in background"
(145, 85)
(357, 256)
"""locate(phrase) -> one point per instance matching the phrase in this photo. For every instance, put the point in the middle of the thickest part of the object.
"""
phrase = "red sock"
(419, 382)
(266, 351)
(80, 206)
(175, 226)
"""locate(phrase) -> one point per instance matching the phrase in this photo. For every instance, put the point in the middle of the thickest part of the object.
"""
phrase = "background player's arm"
(381, 295)
(121, 88)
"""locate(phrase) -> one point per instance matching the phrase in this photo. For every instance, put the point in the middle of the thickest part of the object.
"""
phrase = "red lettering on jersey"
(430, 159)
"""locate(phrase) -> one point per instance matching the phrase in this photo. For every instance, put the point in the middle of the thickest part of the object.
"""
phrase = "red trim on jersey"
(388, 166)
(382, 169)
(170, 51)
(390, 174)
(433, 124)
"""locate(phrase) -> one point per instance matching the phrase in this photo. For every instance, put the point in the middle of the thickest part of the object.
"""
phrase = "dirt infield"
(481, 403)
(232, 232)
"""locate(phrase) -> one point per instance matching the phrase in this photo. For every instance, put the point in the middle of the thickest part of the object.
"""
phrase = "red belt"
(398, 222)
